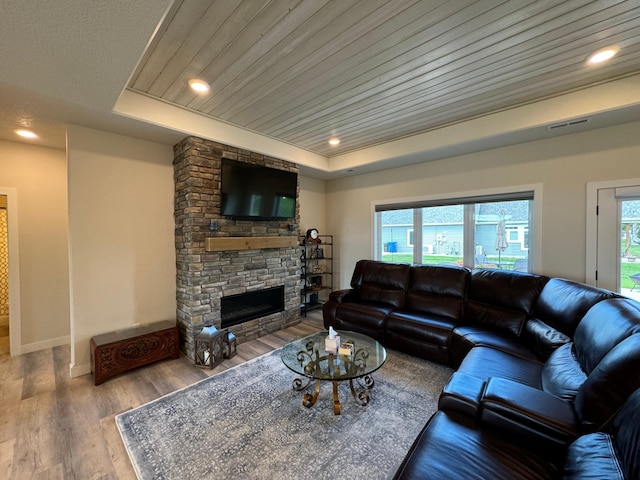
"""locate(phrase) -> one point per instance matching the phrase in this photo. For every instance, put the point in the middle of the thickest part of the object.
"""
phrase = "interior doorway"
(10, 196)
(4, 278)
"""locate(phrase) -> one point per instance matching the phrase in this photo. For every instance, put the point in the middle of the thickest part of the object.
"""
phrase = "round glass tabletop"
(307, 356)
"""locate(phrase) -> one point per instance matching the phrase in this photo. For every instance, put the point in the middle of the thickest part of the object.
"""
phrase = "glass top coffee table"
(307, 357)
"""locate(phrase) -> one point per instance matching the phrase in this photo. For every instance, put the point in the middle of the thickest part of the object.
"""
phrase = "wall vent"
(570, 123)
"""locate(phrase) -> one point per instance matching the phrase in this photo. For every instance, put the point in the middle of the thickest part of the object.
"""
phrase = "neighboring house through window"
(488, 231)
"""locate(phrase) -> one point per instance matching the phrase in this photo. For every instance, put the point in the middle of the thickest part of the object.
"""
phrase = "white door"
(618, 240)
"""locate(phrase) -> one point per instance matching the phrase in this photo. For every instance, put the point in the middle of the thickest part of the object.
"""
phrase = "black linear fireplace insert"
(243, 307)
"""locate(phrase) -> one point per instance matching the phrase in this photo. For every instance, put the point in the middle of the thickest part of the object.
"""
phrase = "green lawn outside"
(507, 262)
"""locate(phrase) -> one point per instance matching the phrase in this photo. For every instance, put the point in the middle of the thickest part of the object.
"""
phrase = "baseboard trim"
(54, 342)
(79, 370)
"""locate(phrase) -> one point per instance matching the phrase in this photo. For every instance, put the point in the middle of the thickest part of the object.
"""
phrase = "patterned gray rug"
(248, 422)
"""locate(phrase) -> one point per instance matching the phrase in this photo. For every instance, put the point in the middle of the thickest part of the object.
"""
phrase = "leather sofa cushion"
(430, 329)
(562, 303)
(486, 362)
(453, 446)
(627, 435)
(542, 338)
(502, 299)
(437, 290)
(592, 342)
(420, 335)
(562, 375)
(592, 456)
(610, 384)
(380, 282)
(466, 337)
(368, 316)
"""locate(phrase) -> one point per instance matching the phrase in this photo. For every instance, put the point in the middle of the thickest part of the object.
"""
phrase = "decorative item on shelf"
(316, 282)
(209, 347)
(230, 345)
(332, 342)
(312, 236)
(319, 253)
(316, 269)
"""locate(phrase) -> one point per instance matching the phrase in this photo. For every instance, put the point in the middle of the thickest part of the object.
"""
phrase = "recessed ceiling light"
(603, 54)
(334, 141)
(26, 133)
(199, 86)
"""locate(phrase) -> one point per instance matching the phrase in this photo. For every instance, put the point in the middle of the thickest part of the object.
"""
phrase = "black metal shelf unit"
(316, 275)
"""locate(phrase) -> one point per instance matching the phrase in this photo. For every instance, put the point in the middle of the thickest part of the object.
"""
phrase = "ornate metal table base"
(334, 368)
(360, 395)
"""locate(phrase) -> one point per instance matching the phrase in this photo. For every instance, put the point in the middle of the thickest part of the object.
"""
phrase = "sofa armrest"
(340, 296)
(331, 305)
(528, 413)
(462, 393)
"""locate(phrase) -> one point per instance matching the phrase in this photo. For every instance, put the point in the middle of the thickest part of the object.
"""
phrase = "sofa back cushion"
(502, 299)
(604, 326)
(626, 427)
(381, 282)
(609, 384)
(437, 290)
(612, 455)
(562, 303)
(560, 307)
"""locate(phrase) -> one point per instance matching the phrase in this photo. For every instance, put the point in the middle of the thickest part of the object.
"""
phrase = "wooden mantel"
(220, 244)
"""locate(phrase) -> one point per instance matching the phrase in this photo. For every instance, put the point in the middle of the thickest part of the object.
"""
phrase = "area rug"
(248, 422)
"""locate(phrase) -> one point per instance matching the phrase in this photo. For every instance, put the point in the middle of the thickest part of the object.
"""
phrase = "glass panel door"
(630, 247)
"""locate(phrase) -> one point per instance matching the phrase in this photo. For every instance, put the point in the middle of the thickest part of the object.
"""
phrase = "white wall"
(121, 233)
(38, 176)
(563, 165)
(312, 205)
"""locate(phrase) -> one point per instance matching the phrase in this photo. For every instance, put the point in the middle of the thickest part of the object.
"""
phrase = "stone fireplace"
(220, 258)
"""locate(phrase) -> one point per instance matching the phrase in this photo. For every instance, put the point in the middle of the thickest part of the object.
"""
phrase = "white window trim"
(536, 224)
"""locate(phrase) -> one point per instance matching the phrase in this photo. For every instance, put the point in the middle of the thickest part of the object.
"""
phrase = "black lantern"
(230, 345)
(209, 347)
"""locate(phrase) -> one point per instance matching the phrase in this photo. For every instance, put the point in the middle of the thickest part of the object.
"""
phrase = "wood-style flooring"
(56, 427)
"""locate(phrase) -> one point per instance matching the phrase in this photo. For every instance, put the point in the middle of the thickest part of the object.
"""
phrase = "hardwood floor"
(56, 427)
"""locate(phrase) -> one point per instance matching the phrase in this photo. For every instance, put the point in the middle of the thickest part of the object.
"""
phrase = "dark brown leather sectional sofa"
(544, 368)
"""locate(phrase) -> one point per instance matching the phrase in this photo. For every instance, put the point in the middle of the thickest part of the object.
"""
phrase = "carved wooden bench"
(120, 351)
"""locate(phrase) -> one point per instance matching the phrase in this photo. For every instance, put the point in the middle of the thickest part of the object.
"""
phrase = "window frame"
(475, 196)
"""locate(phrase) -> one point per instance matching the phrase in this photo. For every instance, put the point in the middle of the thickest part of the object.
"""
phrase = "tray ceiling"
(372, 71)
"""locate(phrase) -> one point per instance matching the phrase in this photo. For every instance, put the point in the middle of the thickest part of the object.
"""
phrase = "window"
(489, 231)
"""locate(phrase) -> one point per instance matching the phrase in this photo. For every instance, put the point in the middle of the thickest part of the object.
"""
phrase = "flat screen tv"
(255, 192)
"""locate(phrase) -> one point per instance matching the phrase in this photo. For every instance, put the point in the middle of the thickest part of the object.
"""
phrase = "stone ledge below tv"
(219, 244)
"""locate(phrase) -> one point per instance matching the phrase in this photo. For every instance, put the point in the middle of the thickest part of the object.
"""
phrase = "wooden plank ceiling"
(370, 71)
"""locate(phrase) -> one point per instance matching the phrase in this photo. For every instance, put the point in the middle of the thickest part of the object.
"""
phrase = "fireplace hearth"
(242, 307)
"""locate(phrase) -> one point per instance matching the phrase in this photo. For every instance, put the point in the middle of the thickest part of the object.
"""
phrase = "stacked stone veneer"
(203, 278)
